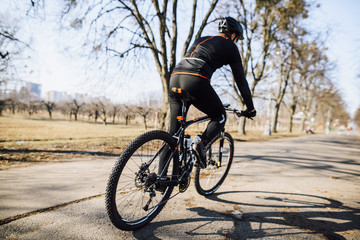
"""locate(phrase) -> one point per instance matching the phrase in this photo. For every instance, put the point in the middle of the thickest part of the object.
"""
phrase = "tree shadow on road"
(314, 214)
(266, 214)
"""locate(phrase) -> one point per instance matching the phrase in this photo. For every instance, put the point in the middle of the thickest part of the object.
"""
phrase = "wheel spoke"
(133, 181)
(208, 180)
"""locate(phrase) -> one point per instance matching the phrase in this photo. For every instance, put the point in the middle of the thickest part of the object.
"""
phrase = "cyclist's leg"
(175, 106)
(204, 98)
(175, 110)
(207, 101)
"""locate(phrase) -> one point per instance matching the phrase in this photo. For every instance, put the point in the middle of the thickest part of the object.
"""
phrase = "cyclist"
(193, 74)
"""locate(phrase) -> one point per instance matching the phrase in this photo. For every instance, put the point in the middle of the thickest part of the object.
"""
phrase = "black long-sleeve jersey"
(210, 53)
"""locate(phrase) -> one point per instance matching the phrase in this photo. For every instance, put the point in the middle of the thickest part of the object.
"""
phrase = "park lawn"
(18, 129)
(24, 142)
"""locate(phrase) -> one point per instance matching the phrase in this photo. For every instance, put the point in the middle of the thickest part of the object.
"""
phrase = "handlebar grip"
(239, 113)
(243, 114)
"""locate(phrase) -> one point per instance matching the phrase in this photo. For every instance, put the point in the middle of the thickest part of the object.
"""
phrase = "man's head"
(232, 28)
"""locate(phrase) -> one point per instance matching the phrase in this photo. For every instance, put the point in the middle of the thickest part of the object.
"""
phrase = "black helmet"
(231, 25)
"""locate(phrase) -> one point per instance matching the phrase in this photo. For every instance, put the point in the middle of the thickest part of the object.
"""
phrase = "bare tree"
(12, 104)
(65, 108)
(71, 108)
(298, 78)
(314, 68)
(259, 23)
(289, 36)
(294, 98)
(114, 111)
(128, 113)
(101, 109)
(153, 26)
(10, 47)
(75, 108)
(263, 21)
(87, 110)
(143, 111)
(32, 107)
(331, 105)
(50, 106)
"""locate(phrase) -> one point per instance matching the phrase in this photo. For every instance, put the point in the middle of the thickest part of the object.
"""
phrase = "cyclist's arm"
(242, 84)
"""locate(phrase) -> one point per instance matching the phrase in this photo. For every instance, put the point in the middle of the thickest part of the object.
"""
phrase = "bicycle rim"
(131, 189)
(219, 157)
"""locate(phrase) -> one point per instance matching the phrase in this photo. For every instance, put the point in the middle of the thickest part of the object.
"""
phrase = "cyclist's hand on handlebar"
(249, 113)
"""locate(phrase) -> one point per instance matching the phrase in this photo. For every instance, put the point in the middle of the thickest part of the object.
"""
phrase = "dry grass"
(25, 142)
(13, 129)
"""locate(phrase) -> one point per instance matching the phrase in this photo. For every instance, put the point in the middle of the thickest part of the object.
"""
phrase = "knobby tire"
(208, 180)
(127, 192)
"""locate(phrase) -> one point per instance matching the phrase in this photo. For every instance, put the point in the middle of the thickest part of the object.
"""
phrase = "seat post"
(184, 103)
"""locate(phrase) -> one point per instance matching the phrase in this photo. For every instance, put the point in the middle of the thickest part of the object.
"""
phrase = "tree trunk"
(2, 106)
(49, 111)
(275, 117)
(164, 119)
(75, 115)
(242, 124)
(303, 120)
(145, 125)
(291, 118)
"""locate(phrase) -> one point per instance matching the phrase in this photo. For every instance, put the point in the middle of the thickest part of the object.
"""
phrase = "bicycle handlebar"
(235, 111)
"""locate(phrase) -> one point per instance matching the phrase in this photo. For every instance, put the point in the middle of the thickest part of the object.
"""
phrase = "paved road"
(295, 188)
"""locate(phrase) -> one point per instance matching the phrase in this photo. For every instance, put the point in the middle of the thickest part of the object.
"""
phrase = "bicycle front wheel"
(219, 155)
(133, 196)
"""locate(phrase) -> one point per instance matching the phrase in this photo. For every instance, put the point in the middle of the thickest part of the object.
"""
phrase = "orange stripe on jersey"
(199, 45)
(195, 74)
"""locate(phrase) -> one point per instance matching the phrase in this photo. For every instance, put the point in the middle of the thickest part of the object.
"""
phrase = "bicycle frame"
(160, 163)
(179, 135)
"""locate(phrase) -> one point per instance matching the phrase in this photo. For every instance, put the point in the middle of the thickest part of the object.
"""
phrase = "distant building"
(20, 88)
(53, 96)
(33, 88)
(85, 98)
(56, 96)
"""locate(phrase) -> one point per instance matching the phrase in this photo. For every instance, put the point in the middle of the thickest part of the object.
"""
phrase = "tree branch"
(191, 31)
(204, 22)
(173, 40)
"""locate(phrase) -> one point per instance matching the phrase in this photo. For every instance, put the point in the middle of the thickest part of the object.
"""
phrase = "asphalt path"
(293, 188)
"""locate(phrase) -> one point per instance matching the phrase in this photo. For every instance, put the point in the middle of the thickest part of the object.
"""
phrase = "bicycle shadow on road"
(310, 213)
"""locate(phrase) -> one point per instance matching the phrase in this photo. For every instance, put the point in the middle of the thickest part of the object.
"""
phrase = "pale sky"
(63, 72)
(344, 45)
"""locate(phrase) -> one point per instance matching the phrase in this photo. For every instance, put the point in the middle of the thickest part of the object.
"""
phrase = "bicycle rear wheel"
(219, 156)
(132, 195)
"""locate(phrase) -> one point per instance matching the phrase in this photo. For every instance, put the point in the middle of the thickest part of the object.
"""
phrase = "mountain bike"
(141, 182)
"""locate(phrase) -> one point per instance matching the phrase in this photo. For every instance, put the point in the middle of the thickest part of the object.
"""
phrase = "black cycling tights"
(204, 98)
